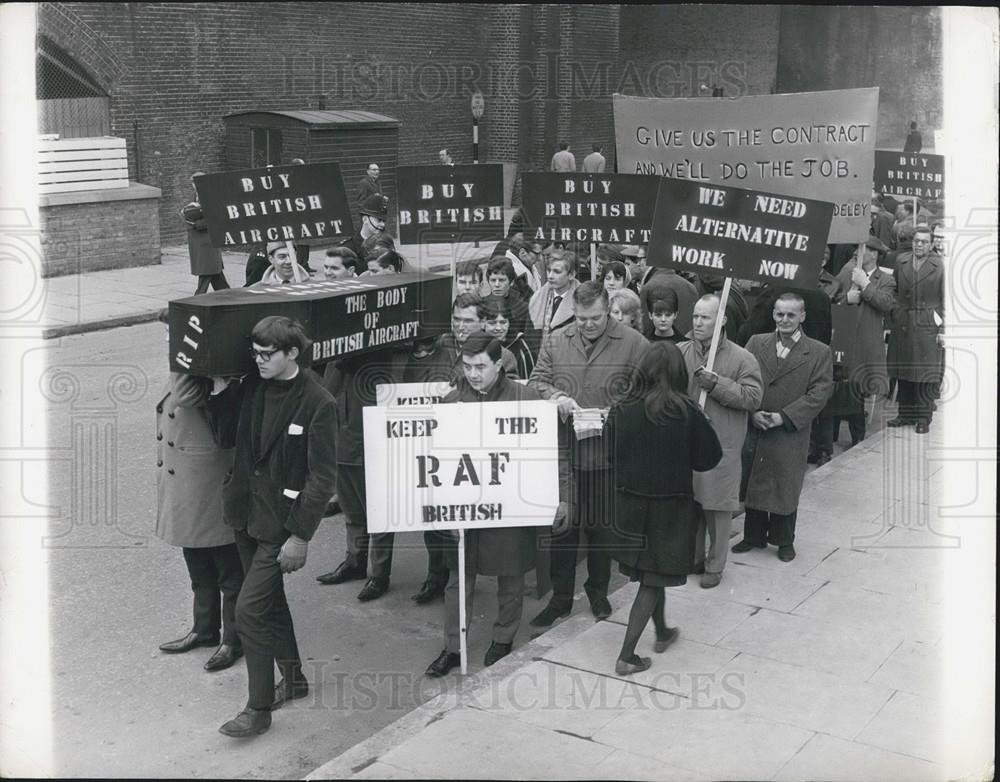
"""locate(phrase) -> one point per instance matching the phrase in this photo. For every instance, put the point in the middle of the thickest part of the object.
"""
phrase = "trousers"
(217, 281)
(264, 620)
(510, 603)
(372, 552)
(916, 400)
(761, 526)
(213, 570)
(716, 524)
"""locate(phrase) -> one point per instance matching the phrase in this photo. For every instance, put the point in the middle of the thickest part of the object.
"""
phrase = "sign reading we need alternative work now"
(815, 145)
(461, 466)
(739, 233)
(276, 204)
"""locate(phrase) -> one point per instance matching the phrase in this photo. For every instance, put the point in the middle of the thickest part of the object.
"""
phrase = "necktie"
(556, 301)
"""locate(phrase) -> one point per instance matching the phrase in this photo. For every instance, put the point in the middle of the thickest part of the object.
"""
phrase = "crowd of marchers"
(249, 467)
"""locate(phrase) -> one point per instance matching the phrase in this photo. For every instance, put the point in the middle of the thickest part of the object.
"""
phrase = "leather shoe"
(635, 665)
(375, 588)
(224, 657)
(431, 590)
(344, 572)
(497, 651)
(249, 722)
(900, 421)
(745, 545)
(710, 580)
(187, 643)
(822, 459)
(786, 553)
(443, 664)
(923, 427)
(332, 508)
(549, 614)
(286, 690)
(661, 644)
(601, 608)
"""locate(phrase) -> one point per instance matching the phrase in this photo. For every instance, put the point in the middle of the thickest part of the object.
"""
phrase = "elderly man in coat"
(916, 344)
(507, 553)
(873, 291)
(734, 390)
(798, 380)
(206, 260)
(586, 365)
(191, 467)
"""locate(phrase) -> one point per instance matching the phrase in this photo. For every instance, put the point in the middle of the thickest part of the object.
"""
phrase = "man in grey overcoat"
(797, 372)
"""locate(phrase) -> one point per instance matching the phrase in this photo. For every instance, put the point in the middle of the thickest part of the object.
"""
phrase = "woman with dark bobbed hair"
(655, 511)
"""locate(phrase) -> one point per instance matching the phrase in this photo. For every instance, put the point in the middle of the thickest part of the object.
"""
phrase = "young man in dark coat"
(206, 260)
(507, 553)
(797, 372)
(283, 475)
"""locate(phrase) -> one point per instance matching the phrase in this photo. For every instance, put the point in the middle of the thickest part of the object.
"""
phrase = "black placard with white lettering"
(612, 208)
(909, 175)
(446, 204)
(209, 333)
(277, 204)
(739, 233)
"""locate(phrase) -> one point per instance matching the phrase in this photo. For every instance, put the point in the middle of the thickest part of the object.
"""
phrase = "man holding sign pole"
(505, 552)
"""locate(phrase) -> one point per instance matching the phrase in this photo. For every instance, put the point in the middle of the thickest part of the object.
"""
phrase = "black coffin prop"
(209, 334)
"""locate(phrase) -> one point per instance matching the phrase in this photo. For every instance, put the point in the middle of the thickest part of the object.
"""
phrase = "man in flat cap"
(284, 269)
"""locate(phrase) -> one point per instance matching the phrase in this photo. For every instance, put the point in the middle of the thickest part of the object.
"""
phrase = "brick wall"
(87, 237)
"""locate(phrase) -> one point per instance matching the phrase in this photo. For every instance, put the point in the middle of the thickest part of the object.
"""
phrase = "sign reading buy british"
(739, 233)
(800, 145)
(909, 175)
(446, 204)
(614, 208)
(276, 204)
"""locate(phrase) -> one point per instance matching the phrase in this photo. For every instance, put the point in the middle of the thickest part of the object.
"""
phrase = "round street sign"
(478, 104)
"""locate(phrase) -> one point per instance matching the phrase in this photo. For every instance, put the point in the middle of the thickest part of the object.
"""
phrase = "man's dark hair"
(482, 343)
(349, 256)
(598, 147)
(587, 293)
(493, 306)
(389, 259)
(563, 145)
(921, 228)
(464, 300)
(467, 268)
(282, 333)
(501, 265)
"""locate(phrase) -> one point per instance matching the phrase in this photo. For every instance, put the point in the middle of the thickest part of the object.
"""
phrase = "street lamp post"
(477, 105)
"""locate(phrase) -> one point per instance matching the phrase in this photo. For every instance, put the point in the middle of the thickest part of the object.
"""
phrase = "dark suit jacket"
(283, 489)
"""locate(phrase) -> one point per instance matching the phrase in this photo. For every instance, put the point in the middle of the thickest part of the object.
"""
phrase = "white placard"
(461, 466)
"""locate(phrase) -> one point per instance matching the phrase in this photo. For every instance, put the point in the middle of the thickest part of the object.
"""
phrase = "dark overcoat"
(205, 259)
(653, 464)
(913, 349)
(866, 366)
(283, 489)
(190, 467)
(798, 387)
(499, 551)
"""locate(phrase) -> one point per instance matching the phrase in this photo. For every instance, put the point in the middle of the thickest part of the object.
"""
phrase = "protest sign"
(844, 335)
(411, 394)
(613, 208)
(444, 204)
(739, 233)
(276, 204)
(209, 333)
(817, 145)
(909, 175)
(461, 466)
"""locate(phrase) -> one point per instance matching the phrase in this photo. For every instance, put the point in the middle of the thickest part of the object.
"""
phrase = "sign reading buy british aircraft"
(739, 233)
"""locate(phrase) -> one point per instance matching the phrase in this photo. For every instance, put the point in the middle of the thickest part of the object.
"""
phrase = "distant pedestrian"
(914, 141)
(563, 161)
(445, 158)
(369, 184)
(656, 516)
(206, 260)
(595, 162)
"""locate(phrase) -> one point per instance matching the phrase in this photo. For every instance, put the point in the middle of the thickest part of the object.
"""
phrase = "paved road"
(120, 707)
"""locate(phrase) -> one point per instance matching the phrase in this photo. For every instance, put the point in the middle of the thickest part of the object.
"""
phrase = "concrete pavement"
(828, 667)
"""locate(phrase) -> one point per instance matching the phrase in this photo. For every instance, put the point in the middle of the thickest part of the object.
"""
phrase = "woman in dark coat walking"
(655, 509)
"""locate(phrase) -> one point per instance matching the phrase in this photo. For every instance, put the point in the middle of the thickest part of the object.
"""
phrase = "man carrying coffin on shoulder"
(507, 553)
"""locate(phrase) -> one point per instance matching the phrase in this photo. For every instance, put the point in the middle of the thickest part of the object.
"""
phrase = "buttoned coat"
(500, 551)
(190, 467)
(541, 301)
(595, 381)
(913, 349)
(205, 259)
(738, 393)
(798, 387)
(283, 489)
(866, 362)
